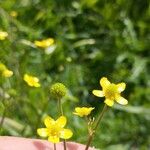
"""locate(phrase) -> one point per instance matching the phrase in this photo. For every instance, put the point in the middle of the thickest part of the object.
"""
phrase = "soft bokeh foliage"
(93, 39)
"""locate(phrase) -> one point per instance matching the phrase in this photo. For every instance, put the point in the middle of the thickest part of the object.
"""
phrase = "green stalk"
(91, 135)
(61, 112)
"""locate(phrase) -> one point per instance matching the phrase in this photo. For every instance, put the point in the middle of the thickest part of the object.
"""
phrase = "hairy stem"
(95, 127)
(61, 112)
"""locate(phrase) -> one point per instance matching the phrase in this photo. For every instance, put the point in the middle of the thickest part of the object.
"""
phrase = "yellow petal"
(7, 73)
(109, 102)
(53, 139)
(98, 93)
(121, 100)
(42, 132)
(48, 121)
(66, 133)
(2, 67)
(121, 87)
(37, 85)
(104, 82)
(61, 121)
(78, 114)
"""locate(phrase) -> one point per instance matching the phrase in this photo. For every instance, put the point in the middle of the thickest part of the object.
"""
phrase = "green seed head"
(58, 90)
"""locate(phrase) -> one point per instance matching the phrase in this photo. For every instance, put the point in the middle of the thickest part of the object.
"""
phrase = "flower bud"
(58, 90)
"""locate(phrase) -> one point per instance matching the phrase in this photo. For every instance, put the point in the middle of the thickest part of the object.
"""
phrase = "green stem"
(60, 107)
(61, 112)
(95, 128)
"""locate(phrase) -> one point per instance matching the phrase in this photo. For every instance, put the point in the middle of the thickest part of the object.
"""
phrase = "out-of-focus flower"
(31, 80)
(3, 35)
(5, 72)
(14, 14)
(58, 90)
(111, 92)
(83, 111)
(55, 129)
(2, 67)
(44, 43)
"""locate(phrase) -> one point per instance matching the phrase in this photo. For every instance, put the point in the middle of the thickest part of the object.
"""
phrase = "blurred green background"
(93, 38)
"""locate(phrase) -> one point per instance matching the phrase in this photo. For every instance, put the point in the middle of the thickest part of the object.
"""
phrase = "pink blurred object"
(17, 143)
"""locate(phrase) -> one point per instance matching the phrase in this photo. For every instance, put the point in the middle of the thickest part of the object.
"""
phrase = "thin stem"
(54, 146)
(65, 147)
(61, 112)
(89, 141)
(100, 117)
(96, 125)
(60, 107)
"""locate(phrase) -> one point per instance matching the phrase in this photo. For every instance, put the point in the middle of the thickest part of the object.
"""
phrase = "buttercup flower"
(83, 111)
(13, 14)
(111, 92)
(4, 71)
(2, 67)
(7, 73)
(3, 35)
(44, 43)
(55, 129)
(31, 80)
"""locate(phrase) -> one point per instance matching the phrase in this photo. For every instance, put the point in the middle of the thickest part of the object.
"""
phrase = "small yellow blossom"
(4, 71)
(14, 14)
(31, 80)
(55, 129)
(83, 111)
(3, 35)
(7, 73)
(111, 92)
(44, 43)
(2, 67)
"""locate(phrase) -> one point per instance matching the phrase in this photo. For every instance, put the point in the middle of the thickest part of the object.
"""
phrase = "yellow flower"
(4, 71)
(2, 67)
(44, 43)
(111, 92)
(13, 14)
(3, 35)
(31, 80)
(83, 111)
(55, 129)
(7, 73)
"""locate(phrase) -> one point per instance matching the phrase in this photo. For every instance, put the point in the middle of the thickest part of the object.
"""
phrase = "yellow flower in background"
(83, 111)
(3, 35)
(4, 71)
(31, 80)
(7, 73)
(44, 43)
(2, 67)
(111, 92)
(55, 129)
(14, 14)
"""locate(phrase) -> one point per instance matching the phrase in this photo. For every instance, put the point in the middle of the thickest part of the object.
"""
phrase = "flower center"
(54, 130)
(111, 91)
